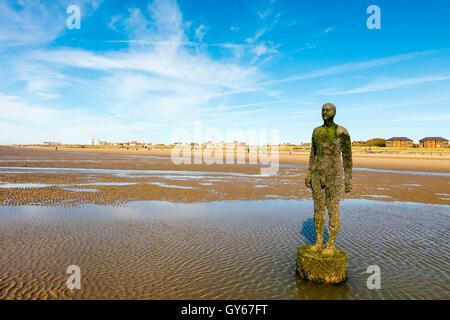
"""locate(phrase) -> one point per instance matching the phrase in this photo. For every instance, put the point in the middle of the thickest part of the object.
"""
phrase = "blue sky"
(141, 70)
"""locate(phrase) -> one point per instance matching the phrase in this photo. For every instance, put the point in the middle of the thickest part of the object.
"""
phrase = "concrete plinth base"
(322, 268)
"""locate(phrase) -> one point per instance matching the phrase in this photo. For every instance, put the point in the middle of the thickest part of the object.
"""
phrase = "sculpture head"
(328, 112)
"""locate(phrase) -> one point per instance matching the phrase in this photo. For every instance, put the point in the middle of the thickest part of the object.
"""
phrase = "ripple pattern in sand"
(218, 250)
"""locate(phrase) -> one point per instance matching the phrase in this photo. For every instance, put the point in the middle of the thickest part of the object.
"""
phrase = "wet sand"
(141, 227)
(46, 177)
(437, 161)
(219, 250)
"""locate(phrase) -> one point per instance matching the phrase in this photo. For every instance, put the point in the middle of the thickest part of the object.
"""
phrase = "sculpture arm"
(311, 163)
(347, 159)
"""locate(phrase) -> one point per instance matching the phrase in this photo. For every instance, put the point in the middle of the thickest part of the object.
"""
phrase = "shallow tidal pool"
(219, 250)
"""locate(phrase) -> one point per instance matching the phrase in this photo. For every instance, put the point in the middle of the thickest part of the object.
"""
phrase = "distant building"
(305, 144)
(399, 142)
(212, 144)
(239, 144)
(48, 143)
(95, 142)
(433, 142)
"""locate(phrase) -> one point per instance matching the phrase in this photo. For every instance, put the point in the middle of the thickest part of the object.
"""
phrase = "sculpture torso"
(330, 144)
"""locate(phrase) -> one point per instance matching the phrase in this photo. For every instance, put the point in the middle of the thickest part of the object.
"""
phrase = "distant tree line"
(375, 142)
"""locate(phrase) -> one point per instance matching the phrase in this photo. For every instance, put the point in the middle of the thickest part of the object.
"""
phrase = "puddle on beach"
(219, 250)
(39, 185)
(81, 190)
(427, 173)
(107, 184)
(161, 184)
(125, 172)
(193, 173)
(376, 196)
(122, 183)
(24, 185)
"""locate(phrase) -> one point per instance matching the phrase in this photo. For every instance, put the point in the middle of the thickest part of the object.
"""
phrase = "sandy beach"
(414, 161)
(218, 250)
(48, 177)
(141, 227)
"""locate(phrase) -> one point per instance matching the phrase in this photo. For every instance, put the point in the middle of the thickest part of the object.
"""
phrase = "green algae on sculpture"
(330, 167)
(323, 268)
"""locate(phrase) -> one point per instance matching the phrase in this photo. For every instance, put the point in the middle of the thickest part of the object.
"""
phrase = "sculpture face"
(328, 111)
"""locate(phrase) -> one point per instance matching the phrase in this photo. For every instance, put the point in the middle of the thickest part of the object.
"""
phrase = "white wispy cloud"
(389, 84)
(243, 106)
(268, 13)
(421, 118)
(40, 79)
(36, 22)
(307, 45)
(200, 32)
(265, 13)
(291, 23)
(12, 108)
(162, 76)
(72, 125)
(354, 66)
(166, 59)
(30, 23)
(113, 21)
(257, 35)
(166, 73)
(264, 48)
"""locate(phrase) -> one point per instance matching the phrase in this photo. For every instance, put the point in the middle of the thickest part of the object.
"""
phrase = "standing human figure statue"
(330, 151)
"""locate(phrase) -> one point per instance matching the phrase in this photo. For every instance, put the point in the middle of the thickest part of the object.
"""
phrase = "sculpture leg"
(333, 197)
(318, 194)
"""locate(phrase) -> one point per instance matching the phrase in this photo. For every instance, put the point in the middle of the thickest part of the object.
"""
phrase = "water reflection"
(220, 250)
(309, 232)
(125, 172)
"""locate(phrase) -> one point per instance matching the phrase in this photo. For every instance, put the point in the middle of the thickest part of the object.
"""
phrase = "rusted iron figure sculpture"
(330, 170)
